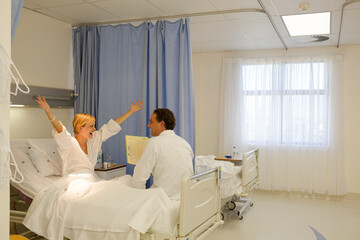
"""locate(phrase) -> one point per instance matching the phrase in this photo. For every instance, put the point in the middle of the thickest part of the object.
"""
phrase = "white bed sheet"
(91, 208)
(81, 204)
(230, 182)
(33, 181)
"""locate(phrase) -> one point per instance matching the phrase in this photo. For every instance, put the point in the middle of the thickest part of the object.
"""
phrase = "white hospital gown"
(74, 158)
(168, 158)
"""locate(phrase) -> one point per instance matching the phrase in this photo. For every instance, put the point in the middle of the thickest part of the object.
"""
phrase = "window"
(292, 109)
(288, 100)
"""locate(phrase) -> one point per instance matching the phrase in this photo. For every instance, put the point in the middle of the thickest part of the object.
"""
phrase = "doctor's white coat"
(168, 158)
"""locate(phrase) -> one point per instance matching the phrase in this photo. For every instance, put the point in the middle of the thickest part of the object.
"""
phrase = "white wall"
(5, 38)
(42, 52)
(207, 75)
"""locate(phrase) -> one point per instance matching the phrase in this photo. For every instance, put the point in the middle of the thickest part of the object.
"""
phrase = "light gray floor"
(284, 216)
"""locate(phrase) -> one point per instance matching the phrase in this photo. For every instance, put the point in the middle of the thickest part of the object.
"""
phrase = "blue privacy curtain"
(86, 70)
(16, 6)
(151, 62)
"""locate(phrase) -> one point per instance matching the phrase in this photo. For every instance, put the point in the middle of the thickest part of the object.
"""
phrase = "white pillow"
(45, 157)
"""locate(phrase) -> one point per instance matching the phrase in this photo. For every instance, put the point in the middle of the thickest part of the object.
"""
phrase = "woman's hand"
(137, 106)
(133, 108)
(42, 103)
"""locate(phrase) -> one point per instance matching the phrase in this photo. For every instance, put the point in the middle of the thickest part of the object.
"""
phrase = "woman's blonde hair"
(81, 119)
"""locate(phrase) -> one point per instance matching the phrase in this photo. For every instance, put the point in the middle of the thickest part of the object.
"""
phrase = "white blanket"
(230, 182)
(80, 201)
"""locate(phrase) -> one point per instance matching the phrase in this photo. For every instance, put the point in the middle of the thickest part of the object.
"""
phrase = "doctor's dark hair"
(164, 114)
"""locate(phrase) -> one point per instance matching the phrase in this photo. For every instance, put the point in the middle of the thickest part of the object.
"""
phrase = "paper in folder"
(134, 148)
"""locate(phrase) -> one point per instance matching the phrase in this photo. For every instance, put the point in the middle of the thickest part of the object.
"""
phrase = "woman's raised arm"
(44, 105)
(133, 108)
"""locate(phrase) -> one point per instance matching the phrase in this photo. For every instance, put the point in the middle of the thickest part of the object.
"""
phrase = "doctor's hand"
(42, 103)
(137, 106)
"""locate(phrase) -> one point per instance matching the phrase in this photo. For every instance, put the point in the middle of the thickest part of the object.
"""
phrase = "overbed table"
(237, 161)
(115, 170)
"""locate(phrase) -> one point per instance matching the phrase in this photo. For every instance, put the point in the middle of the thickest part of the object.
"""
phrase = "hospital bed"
(197, 213)
(237, 180)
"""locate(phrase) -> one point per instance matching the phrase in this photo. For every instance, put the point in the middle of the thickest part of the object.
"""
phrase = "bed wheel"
(251, 204)
(222, 216)
(241, 217)
(231, 205)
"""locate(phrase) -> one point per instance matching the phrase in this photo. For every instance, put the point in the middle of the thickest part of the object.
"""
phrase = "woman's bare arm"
(133, 108)
(44, 105)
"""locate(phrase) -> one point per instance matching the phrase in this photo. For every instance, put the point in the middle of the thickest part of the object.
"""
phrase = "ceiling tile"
(59, 16)
(204, 19)
(338, 4)
(245, 15)
(31, 5)
(335, 22)
(174, 7)
(268, 43)
(290, 7)
(237, 45)
(351, 20)
(234, 4)
(314, 44)
(95, 0)
(279, 23)
(333, 39)
(52, 3)
(223, 32)
(217, 31)
(85, 13)
(349, 38)
(197, 35)
(130, 9)
(355, 5)
(256, 28)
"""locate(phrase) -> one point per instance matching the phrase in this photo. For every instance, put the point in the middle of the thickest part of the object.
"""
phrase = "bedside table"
(116, 170)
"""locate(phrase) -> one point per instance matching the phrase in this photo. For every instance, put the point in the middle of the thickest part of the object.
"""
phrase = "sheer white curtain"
(292, 109)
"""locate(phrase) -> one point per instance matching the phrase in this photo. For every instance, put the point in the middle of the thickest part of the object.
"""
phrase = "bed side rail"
(202, 174)
(200, 201)
(250, 171)
(17, 216)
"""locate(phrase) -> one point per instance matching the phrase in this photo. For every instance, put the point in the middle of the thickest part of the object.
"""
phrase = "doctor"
(166, 156)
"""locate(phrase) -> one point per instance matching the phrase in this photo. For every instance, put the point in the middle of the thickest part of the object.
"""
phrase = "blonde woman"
(80, 152)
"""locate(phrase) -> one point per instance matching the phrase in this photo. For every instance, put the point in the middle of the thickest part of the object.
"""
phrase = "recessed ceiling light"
(308, 24)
